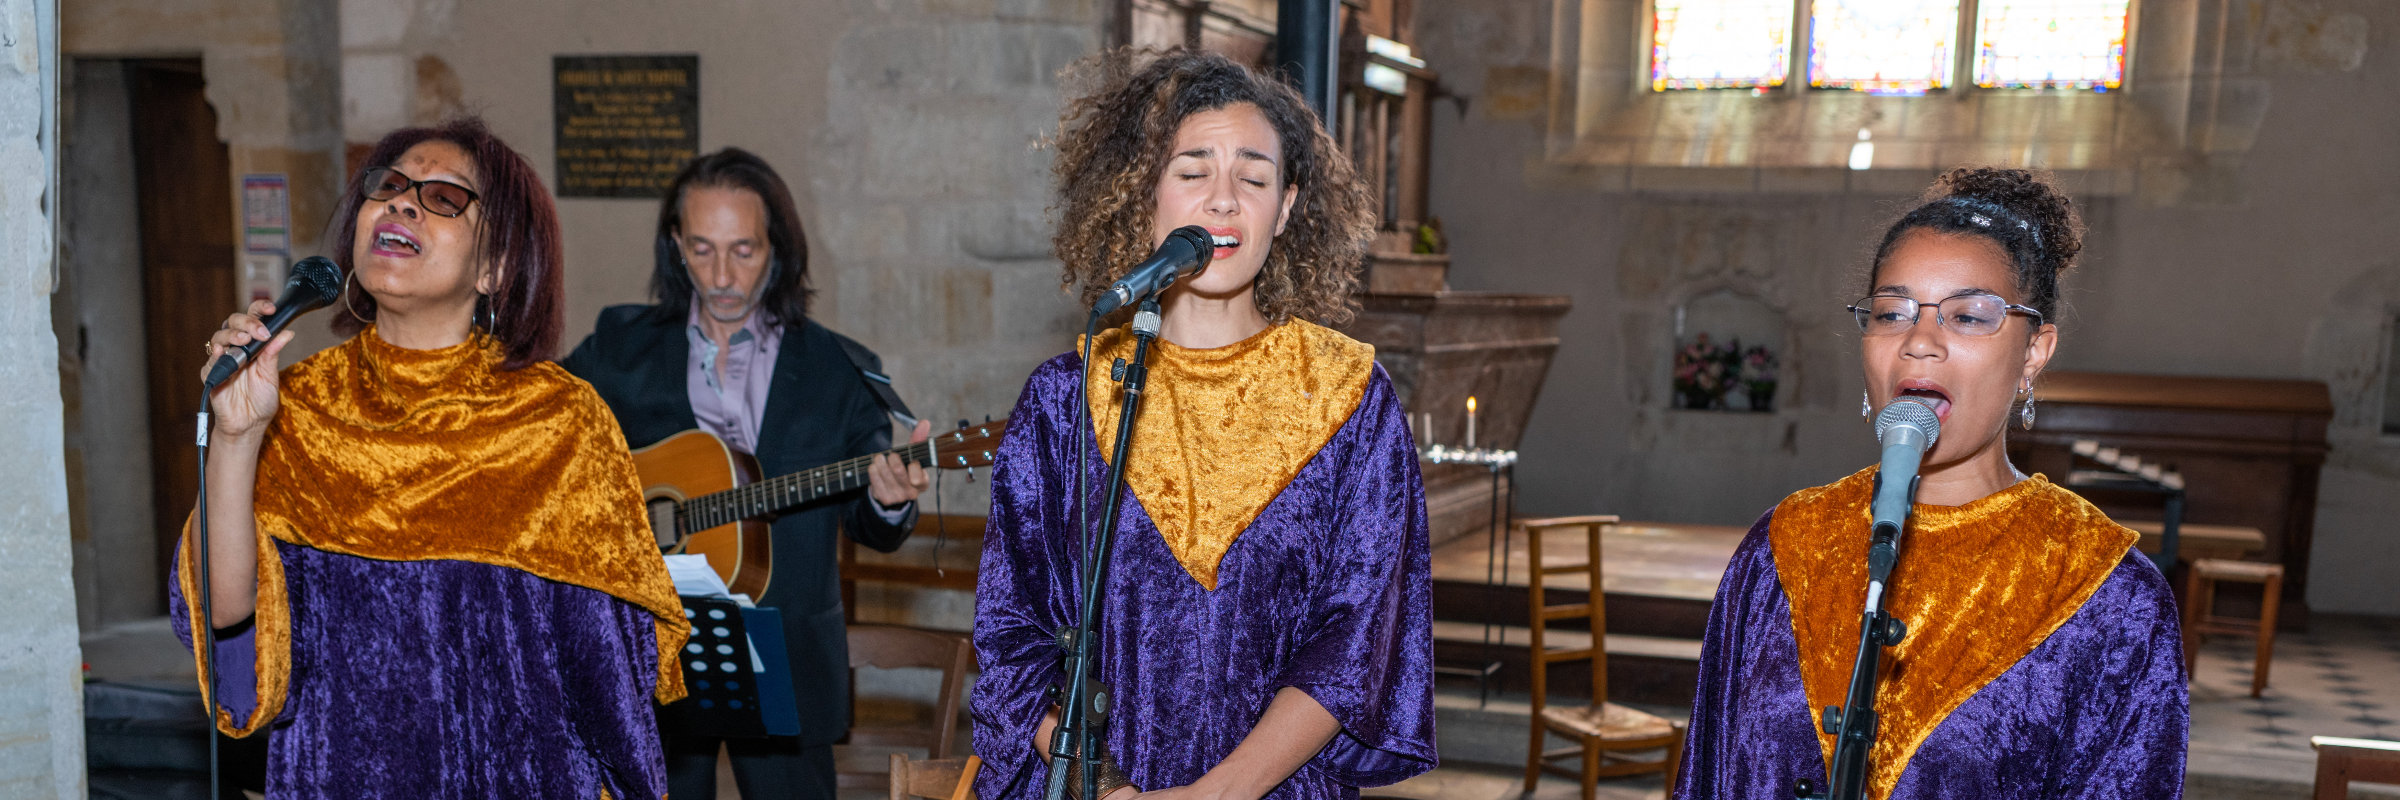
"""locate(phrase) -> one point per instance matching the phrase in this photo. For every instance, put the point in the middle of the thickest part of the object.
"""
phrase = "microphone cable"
(206, 635)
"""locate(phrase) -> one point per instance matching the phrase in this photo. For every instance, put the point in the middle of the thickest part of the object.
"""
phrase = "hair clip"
(1980, 219)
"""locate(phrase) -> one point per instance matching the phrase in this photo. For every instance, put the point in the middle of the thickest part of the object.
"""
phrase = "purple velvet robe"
(2097, 710)
(1328, 590)
(451, 679)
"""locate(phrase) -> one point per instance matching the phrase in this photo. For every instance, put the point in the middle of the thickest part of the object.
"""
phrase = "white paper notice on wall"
(267, 214)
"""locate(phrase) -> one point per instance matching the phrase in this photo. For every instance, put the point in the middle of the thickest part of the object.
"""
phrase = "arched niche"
(1730, 353)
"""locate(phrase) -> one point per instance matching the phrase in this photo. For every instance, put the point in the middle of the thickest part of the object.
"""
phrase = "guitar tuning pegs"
(962, 423)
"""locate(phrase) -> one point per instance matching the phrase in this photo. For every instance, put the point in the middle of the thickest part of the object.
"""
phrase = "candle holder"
(1496, 546)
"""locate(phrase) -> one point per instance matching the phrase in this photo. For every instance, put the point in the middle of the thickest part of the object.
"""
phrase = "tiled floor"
(2342, 678)
(1478, 782)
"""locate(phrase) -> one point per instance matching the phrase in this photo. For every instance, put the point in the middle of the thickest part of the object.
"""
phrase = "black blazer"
(818, 411)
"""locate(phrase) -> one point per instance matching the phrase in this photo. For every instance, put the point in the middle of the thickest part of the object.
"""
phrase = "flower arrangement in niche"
(1705, 372)
(1758, 377)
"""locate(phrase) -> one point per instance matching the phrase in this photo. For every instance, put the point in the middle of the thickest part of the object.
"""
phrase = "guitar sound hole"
(662, 523)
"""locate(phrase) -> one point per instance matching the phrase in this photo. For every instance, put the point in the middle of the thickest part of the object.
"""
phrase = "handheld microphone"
(1185, 252)
(1907, 428)
(313, 284)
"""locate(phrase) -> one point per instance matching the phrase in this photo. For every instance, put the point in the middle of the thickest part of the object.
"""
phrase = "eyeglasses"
(1965, 315)
(440, 197)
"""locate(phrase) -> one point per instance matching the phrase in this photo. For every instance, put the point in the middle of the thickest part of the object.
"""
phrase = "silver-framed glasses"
(1965, 314)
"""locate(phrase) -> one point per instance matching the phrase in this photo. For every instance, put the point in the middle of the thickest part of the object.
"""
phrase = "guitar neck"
(782, 492)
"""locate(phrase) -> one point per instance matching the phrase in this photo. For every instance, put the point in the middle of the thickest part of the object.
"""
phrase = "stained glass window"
(1719, 44)
(1882, 46)
(2050, 44)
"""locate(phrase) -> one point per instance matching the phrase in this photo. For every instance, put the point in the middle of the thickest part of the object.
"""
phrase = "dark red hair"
(517, 228)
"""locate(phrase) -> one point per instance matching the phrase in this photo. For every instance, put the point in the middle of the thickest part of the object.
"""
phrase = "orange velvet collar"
(1223, 430)
(1979, 586)
(412, 455)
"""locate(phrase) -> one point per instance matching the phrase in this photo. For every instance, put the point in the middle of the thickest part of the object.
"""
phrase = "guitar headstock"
(968, 447)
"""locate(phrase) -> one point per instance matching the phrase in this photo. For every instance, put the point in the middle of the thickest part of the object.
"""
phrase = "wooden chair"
(2200, 618)
(894, 647)
(939, 779)
(2340, 761)
(1602, 728)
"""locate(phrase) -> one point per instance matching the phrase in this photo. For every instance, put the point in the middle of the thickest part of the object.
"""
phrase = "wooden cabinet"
(2249, 450)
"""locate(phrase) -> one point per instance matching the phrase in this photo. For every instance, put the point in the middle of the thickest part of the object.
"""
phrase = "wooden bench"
(2340, 761)
(2195, 542)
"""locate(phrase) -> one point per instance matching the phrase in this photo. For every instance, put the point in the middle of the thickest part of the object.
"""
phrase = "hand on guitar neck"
(708, 499)
(892, 481)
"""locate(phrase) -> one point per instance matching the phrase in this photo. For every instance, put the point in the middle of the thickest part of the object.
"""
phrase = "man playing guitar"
(728, 349)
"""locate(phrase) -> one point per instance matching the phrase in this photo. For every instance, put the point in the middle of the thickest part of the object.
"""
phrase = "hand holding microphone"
(256, 337)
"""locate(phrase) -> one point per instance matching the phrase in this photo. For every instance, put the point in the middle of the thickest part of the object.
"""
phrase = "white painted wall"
(2275, 263)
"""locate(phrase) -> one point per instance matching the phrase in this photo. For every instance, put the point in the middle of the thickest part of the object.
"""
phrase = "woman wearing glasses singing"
(2041, 656)
(431, 572)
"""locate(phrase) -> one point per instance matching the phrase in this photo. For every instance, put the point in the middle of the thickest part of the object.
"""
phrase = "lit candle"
(1470, 422)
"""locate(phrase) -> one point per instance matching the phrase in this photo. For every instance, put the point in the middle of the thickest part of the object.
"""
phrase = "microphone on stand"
(1185, 252)
(1907, 428)
(314, 283)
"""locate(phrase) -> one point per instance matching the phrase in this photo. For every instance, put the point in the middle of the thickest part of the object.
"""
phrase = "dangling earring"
(2025, 416)
(1866, 408)
(346, 298)
(485, 305)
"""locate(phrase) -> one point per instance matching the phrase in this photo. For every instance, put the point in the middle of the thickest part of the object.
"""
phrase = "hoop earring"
(346, 299)
(486, 308)
(1866, 408)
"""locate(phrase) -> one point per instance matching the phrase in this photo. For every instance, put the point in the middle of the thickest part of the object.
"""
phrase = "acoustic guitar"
(706, 498)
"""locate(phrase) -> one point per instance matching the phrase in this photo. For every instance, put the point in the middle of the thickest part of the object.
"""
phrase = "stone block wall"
(41, 706)
(909, 131)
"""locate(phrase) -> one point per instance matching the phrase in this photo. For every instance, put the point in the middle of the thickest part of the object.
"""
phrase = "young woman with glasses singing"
(2041, 656)
(432, 576)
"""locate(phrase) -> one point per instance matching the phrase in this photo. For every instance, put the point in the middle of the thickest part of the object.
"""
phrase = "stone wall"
(41, 707)
(2256, 252)
(271, 70)
(908, 130)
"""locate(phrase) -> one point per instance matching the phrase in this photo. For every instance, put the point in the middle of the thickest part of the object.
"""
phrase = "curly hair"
(1113, 148)
(2019, 210)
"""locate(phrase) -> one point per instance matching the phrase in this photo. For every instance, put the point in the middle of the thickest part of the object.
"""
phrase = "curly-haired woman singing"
(1266, 620)
(2042, 657)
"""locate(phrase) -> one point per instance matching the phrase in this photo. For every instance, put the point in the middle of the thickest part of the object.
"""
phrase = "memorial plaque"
(626, 124)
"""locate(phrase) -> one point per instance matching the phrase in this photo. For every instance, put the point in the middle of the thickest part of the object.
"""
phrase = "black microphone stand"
(206, 633)
(1853, 722)
(1084, 700)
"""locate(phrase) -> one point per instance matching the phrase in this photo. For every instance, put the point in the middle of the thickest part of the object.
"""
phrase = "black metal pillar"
(1307, 39)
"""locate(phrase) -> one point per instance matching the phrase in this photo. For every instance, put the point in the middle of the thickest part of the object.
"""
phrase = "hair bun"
(2028, 194)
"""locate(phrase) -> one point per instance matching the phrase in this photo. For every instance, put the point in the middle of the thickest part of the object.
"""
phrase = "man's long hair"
(787, 291)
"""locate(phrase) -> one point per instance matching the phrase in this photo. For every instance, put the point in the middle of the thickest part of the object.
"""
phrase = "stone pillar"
(41, 706)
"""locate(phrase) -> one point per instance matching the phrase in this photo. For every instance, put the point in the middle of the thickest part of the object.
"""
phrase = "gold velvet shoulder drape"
(1979, 586)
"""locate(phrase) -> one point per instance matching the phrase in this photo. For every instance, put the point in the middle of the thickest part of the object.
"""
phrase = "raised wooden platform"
(1659, 580)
